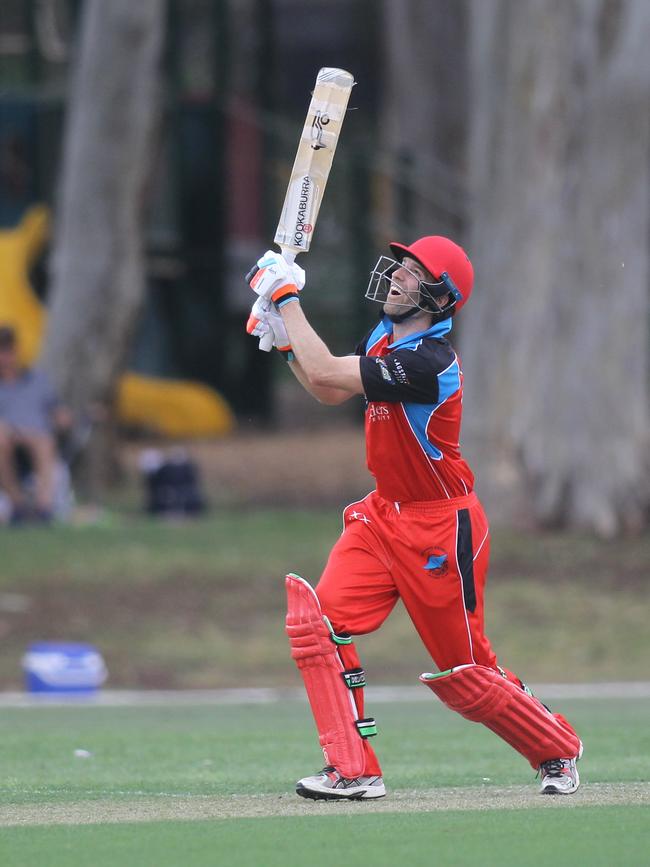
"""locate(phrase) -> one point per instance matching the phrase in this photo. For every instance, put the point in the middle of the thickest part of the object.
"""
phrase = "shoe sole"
(552, 790)
(315, 795)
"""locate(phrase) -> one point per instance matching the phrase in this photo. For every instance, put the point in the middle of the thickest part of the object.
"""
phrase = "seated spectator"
(30, 417)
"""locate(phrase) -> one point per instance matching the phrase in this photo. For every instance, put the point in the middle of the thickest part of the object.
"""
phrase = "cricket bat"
(311, 168)
(313, 162)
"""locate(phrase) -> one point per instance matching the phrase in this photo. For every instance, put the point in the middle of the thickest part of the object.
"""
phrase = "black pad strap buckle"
(354, 678)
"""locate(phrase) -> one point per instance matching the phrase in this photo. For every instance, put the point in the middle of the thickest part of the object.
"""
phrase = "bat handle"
(288, 254)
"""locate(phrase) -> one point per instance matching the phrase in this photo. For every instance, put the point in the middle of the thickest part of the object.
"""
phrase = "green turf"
(136, 549)
(596, 836)
(201, 604)
(219, 750)
(189, 752)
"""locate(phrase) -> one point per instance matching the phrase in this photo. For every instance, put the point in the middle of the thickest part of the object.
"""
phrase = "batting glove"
(267, 324)
(274, 279)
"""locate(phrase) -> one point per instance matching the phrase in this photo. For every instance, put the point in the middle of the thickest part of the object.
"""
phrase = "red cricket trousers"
(431, 555)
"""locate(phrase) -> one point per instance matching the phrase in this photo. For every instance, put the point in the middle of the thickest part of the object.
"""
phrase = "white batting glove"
(266, 323)
(274, 279)
(257, 325)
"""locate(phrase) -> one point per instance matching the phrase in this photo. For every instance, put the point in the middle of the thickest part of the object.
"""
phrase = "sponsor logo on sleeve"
(400, 373)
(385, 372)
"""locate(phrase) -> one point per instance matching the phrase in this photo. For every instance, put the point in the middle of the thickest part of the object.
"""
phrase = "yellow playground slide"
(174, 408)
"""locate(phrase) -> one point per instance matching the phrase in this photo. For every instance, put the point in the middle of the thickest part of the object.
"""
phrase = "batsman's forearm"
(310, 351)
(320, 367)
(330, 396)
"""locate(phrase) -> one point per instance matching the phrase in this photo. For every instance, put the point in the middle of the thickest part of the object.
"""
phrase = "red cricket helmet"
(440, 256)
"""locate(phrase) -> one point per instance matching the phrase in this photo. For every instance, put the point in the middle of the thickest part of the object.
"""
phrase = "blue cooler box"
(57, 666)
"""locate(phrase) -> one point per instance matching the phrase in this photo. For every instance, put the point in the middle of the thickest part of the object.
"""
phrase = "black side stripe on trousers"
(465, 557)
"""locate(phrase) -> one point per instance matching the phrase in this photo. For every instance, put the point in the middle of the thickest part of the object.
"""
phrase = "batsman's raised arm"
(323, 394)
(320, 369)
(330, 379)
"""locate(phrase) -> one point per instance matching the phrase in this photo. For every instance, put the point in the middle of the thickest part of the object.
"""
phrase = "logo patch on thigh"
(437, 562)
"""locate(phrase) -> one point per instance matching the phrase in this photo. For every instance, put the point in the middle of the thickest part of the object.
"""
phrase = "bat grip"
(288, 254)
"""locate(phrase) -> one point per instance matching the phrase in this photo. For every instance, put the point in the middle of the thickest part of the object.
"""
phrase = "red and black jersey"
(414, 393)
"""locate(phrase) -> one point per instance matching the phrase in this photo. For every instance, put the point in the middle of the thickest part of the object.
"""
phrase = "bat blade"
(313, 161)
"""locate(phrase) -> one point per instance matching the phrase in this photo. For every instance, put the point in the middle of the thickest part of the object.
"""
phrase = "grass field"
(201, 604)
(206, 785)
(168, 603)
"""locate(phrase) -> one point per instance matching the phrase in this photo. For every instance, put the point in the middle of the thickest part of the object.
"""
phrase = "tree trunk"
(555, 339)
(424, 117)
(97, 261)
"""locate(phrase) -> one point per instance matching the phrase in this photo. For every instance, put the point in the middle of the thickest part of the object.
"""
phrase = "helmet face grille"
(445, 259)
(381, 282)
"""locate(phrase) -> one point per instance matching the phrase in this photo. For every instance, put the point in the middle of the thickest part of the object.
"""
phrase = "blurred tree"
(424, 116)
(555, 342)
(97, 261)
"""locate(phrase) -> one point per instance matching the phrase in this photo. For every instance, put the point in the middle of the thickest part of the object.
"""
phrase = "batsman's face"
(404, 291)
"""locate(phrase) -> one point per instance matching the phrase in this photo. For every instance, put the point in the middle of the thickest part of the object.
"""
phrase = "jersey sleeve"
(408, 375)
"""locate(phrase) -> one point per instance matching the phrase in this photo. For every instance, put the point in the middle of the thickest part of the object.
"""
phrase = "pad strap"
(354, 678)
(367, 727)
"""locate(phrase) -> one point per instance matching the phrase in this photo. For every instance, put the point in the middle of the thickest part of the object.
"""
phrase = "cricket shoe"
(560, 776)
(329, 785)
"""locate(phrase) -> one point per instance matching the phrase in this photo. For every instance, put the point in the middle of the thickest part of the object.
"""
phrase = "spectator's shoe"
(560, 776)
(329, 785)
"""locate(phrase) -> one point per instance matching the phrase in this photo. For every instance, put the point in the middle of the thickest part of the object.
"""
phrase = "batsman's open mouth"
(399, 297)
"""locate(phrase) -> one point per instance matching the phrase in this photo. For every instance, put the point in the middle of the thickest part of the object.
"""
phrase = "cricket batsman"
(421, 536)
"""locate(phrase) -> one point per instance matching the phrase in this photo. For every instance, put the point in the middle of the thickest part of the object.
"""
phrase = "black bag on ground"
(173, 488)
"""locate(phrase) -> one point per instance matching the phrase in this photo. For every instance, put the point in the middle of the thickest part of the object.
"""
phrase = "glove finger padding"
(267, 324)
(259, 312)
(266, 342)
(272, 277)
(280, 336)
(292, 269)
(257, 325)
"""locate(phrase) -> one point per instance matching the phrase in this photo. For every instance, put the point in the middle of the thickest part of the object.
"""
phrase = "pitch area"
(194, 785)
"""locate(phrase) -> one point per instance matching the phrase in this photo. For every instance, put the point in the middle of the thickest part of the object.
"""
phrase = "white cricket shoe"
(560, 776)
(329, 785)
